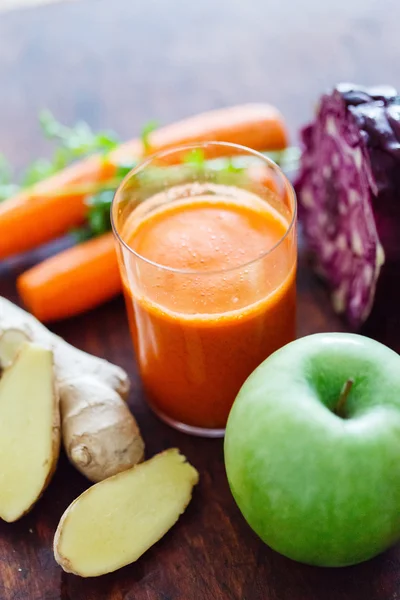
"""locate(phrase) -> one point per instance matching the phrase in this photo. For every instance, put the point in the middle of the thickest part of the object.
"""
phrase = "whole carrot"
(47, 210)
(72, 281)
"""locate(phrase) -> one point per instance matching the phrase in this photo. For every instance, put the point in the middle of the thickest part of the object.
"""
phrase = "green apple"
(312, 449)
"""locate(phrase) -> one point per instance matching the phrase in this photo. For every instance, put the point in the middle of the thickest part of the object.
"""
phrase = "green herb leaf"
(61, 158)
(195, 158)
(287, 159)
(124, 168)
(145, 134)
(38, 170)
(99, 220)
(81, 234)
(50, 127)
(77, 141)
(231, 167)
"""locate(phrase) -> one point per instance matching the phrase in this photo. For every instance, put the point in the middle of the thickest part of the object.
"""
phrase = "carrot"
(43, 212)
(72, 281)
(38, 215)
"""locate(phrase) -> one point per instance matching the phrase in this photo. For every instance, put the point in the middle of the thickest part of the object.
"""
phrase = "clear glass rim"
(187, 147)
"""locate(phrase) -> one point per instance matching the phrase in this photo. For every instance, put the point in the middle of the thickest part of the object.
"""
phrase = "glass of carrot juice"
(207, 252)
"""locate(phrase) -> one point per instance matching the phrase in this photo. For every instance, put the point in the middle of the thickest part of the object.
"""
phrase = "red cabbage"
(348, 189)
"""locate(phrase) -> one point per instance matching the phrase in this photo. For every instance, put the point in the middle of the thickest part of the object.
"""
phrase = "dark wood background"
(116, 64)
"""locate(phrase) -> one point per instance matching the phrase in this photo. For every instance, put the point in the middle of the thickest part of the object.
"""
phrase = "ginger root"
(115, 521)
(29, 430)
(100, 435)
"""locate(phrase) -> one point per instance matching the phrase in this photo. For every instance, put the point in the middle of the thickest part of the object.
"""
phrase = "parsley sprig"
(71, 143)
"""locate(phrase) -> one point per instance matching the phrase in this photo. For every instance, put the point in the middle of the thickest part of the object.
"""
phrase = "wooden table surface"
(117, 64)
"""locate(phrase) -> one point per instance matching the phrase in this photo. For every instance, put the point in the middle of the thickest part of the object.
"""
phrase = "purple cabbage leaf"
(348, 190)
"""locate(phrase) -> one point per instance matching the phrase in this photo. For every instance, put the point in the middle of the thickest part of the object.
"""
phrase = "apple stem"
(344, 394)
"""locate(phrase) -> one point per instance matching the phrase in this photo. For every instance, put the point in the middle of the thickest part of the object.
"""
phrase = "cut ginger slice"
(115, 521)
(29, 430)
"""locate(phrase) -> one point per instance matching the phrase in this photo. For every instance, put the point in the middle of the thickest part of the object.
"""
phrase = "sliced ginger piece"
(115, 521)
(29, 430)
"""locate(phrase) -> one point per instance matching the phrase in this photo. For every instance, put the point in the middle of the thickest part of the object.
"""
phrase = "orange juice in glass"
(208, 255)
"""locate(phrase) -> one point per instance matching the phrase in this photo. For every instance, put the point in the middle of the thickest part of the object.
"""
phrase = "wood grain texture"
(117, 64)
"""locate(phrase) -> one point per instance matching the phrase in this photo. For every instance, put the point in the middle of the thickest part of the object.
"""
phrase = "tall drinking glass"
(207, 252)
